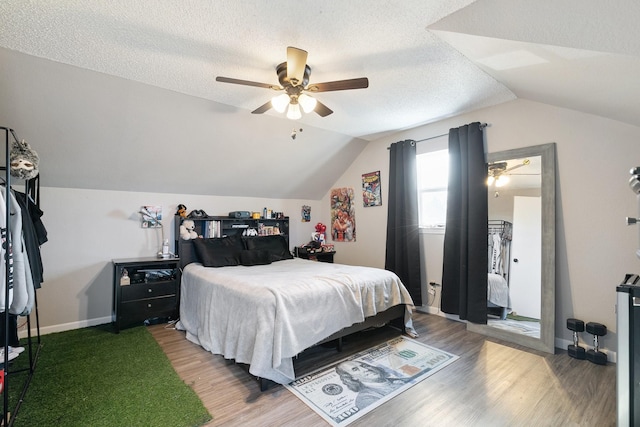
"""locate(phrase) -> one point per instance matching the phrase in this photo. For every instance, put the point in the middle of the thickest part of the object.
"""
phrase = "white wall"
(89, 228)
(594, 247)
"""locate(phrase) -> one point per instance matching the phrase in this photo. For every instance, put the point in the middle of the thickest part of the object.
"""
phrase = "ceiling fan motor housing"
(284, 79)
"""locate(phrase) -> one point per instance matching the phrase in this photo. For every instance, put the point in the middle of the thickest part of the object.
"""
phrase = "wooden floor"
(492, 384)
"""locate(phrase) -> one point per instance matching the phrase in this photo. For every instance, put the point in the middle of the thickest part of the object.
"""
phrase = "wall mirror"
(521, 247)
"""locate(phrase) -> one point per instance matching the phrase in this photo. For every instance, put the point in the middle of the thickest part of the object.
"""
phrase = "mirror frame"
(546, 342)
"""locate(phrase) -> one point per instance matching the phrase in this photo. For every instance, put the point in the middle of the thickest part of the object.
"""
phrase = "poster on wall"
(306, 213)
(343, 215)
(151, 216)
(371, 194)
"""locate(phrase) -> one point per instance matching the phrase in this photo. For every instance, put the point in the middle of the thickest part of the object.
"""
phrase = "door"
(526, 257)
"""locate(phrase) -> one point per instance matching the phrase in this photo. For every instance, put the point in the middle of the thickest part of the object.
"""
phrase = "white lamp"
(280, 102)
(307, 102)
(293, 112)
(502, 181)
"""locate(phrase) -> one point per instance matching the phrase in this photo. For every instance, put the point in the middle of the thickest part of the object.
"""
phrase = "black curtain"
(464, 275)
(403, 238)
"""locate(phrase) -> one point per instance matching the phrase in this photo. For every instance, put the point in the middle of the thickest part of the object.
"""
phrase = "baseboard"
(66, 327)
(435, 310)
(428, 309)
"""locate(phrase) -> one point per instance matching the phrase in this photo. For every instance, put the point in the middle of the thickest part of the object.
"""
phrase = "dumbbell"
(595, 355)
(575, 351)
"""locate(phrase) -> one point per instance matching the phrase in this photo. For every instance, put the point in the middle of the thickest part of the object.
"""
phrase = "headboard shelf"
(220, 226)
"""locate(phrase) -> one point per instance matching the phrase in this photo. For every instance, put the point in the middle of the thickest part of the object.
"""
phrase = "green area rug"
(521, 318)
(93, 377)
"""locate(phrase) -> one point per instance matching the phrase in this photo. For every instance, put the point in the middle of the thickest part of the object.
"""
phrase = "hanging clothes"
(496, 254)
(6, 259)
(12, 339)
(23, 295)
(35, 235)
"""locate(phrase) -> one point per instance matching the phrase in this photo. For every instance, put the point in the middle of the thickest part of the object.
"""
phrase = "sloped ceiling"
(425, 61)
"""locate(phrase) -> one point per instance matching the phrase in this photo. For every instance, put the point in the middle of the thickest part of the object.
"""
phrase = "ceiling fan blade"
(296, 62)
(525, 162)
(360, 83)
(322, 110)
(263, 108)
(247, 83)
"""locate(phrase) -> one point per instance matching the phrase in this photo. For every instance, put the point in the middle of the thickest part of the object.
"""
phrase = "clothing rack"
(32, 189)
(504, 231)
(504, 228)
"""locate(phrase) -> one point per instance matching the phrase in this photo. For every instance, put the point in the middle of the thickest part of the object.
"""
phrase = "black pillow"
(276, 246)
(218, 252)
(255, 257)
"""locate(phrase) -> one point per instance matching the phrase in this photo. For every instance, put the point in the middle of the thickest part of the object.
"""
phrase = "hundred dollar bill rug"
(346, 390)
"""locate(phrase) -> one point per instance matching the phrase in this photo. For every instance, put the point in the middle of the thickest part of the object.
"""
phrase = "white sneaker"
(17, 350)
(12, 356)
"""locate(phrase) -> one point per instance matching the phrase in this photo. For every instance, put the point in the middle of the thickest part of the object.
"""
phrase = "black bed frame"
(393, 315)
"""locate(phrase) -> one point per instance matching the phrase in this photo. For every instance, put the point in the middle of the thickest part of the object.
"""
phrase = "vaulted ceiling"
(425, 61)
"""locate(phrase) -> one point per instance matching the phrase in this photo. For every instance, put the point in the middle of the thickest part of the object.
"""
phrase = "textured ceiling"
(425, 60)
(414, 76)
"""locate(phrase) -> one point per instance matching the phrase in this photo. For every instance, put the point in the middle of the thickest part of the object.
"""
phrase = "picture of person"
(370, 382)
(343, 220)
(342, 227)
(339, 226)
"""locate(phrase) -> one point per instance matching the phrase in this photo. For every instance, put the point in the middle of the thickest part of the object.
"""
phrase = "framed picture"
(306, 213)
(371, 194)
(151, 216)
(343, 215)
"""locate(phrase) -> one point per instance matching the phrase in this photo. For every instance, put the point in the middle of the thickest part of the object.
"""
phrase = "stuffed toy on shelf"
(187, 230)
(182, 210)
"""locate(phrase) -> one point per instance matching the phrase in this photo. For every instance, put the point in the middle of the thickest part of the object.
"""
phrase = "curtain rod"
(482, 126)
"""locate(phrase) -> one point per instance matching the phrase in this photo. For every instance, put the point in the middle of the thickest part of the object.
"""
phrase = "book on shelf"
(212, 229)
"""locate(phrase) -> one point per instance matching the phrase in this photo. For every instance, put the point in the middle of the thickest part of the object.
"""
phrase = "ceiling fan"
(293, 76)
(498, 173)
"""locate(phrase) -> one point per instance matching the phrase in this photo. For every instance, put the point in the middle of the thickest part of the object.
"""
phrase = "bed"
(249, 300)
(498, 293)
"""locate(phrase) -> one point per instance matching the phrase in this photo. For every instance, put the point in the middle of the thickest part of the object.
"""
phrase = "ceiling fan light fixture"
(293, 76)
(502, 181)
(490, 180)
(280, 102)
(308, 103)
(294, 112)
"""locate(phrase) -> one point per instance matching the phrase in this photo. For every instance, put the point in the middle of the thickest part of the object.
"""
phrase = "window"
(433, 176)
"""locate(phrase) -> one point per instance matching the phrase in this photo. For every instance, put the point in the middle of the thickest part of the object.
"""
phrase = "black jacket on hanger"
(34, 235)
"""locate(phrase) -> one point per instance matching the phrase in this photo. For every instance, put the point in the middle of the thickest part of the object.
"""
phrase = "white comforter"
(498, 290)
(264, 315)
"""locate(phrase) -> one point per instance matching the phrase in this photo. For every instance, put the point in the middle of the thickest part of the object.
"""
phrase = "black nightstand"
(314, 256)
(152, 293)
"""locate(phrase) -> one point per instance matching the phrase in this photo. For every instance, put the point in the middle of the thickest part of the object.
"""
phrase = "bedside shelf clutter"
(320, 256)
(219, 226)
(145, 289)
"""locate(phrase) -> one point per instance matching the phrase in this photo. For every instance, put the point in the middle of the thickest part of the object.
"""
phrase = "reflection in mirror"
(514, 242)
(521, 247)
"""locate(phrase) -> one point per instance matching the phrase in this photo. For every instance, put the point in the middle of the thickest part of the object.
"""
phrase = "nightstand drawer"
(147, 290)
(138, 311)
